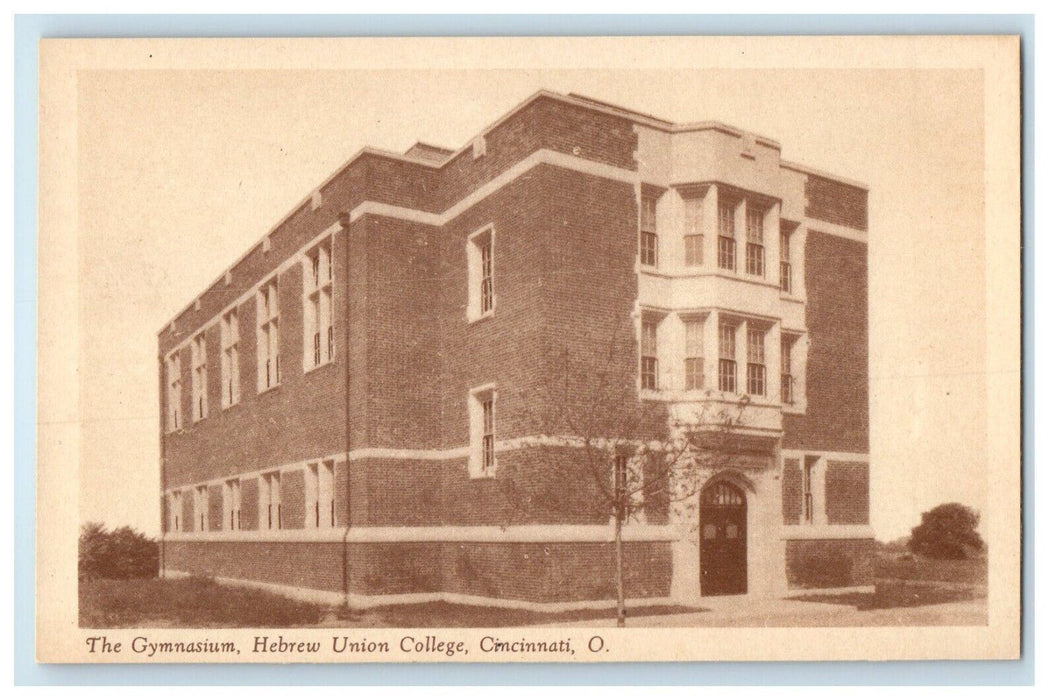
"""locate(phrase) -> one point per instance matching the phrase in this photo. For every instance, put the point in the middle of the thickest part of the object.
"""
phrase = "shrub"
(121, 553)
(947, 532)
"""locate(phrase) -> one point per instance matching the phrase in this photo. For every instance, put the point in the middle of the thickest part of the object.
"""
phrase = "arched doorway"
(723, 542)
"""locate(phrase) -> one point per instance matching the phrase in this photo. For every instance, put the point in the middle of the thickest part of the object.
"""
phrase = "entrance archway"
(723, 540)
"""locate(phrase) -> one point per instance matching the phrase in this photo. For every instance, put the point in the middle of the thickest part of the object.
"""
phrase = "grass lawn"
(201, 602)
(188, 602)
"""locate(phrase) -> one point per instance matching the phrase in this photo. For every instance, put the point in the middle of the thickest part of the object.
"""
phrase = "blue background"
(30, 28)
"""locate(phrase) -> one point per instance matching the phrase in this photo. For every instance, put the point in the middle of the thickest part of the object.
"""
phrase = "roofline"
(578, 101)
(807, 170)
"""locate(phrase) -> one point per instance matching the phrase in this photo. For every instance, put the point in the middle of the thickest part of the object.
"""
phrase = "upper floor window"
(694, 355)
(268, 374)
(175, 391)
(271, 501)
(787, 385)
(786, 261)
(480, 253)
(694, 238)
(648, 243)
(810, 464)
(727, 237)
(482, 460)
(728, 357)
(756, 362)
(232, 496)
(319, 307)
(319, 495)
(649, 355)
(755, 253)
(229, 369)
(201, 508)
(199, 382)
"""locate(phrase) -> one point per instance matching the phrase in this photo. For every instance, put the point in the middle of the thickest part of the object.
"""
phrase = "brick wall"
(837, 381)
(308, 564)
(216, 507)
(292, 499)
(792, 492)
(837, 202)
(847, 493)
(830, 563)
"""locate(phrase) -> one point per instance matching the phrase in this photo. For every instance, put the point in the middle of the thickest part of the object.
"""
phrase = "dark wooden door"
(723, 543)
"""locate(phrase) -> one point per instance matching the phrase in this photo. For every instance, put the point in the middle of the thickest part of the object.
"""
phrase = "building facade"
(338, 408)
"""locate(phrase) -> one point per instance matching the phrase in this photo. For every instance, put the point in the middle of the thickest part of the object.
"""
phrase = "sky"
(181, 171)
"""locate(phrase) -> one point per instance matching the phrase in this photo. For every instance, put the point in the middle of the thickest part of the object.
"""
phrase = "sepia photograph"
(529, 349)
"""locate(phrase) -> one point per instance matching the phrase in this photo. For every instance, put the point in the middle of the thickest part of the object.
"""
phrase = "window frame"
(788, 396)
(230, 371)
(268, 329)
(648, 352)
(270, 515)
(318, 286)
(726, 245)
(320, 502)
(483, 436)
(648, 238)
(481, 296)
(201, 508)
(786, 261)
(755, 344)
(175, 394)
(199, 378)
(232, 503)
(728, 356)
(694, 361)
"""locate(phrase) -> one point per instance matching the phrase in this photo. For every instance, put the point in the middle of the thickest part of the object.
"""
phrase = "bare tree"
(608, 456)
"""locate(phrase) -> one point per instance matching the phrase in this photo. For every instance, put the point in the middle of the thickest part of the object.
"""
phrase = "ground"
(909, 591)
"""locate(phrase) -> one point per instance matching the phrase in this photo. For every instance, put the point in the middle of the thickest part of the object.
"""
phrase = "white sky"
(180, 172)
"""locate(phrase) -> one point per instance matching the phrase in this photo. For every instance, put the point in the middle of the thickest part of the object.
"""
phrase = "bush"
(947, 532)
(122, 553)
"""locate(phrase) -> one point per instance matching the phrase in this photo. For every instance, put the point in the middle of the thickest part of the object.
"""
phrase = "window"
(319, 307)
(268, 374)
(755, 253)
(482, 462)
(480, 253)
(232, 495)
(175, 391)
(201, 509)
(727, 240)
(728, 357)
(694, 355)
(620, 486)
(787, 392)
(648, 352)
(786, 261)
(648, 242)
(808, 488)
(175, 510)
(199, 402)
(229, 374)
(271, 501)
(319, 495)
(694, 238)
(756, 362)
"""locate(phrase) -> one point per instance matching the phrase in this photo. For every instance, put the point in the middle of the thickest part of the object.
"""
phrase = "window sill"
(326, 363)
(273, 387)
(479, 476)
(480, 317)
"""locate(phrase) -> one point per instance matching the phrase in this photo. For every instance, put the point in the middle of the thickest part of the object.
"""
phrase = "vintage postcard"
(540, 349)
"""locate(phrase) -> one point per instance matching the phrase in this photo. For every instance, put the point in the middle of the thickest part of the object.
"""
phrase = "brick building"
(337, 405)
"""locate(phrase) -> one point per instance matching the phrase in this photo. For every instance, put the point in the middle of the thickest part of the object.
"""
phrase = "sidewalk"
(739, 611)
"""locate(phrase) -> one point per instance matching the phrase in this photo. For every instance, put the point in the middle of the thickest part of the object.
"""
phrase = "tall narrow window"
(175, 391)
(694, 238)
(727, 239)
(649, 241)
(201, 508)
(694, 355)
(232, 494)
(271, 501)
(728, 357)
(268, 372)
(482, 460)
(319, 307)
(756, 362)
(229, 371)
(319, 495)
(649, 355)
(198, 378)
(787, 388)
(175, 510)
(480, 253)
(786, 261)
(808, 488)
(755, 253)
